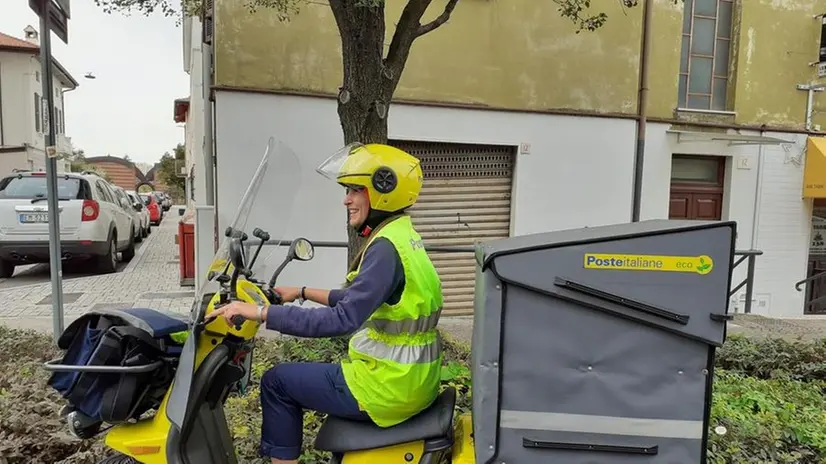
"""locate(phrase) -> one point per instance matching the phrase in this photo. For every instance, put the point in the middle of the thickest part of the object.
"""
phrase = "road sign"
(58, 11)
(64, 5)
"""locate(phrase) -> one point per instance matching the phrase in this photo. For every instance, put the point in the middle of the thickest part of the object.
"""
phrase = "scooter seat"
(339, 435)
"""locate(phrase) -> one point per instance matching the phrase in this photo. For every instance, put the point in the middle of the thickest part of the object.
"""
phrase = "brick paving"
(151, 279)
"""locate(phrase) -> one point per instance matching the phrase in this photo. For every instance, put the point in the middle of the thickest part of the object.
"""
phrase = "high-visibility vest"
(395, 359)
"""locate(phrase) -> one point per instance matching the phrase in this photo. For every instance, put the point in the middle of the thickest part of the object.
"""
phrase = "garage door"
(466, 198)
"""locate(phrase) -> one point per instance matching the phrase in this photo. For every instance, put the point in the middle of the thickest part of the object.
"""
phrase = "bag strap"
(125, 331)
(118, 400)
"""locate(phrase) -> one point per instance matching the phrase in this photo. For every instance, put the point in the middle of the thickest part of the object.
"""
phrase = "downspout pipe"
(209, 159)
(642, 111)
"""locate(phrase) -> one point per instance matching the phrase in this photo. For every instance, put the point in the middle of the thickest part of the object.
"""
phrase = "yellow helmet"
(392, 177)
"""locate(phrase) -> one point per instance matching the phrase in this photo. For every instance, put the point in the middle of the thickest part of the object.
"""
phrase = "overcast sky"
(138, 63)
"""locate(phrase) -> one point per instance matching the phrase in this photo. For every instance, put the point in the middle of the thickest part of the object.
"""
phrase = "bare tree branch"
(433, 25)
(403, 37)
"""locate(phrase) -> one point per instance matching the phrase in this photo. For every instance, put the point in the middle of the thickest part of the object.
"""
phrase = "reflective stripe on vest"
(405, 326)
(402, 354)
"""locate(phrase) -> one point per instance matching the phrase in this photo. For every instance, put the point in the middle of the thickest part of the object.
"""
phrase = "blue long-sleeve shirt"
(380, 280)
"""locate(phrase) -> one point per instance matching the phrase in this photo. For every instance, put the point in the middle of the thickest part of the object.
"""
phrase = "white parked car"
(93, 225)
(128, 205)
(140, 207)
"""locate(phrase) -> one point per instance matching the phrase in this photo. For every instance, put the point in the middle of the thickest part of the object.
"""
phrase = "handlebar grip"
(261, 234)
(238, 321)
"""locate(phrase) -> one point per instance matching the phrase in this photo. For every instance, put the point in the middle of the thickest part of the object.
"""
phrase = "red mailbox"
(186, 249)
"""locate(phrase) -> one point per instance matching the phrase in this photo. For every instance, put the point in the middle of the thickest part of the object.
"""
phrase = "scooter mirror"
(302, 249)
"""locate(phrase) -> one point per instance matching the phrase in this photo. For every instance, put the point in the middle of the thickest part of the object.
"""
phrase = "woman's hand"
(246, 310)
(288, 294)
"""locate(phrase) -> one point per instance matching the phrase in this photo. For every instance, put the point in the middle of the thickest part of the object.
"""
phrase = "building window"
(704, 60)
(37, 113)
(37, 76)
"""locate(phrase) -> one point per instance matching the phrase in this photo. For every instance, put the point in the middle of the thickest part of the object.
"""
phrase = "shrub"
(778, 420)
(769, 395)
(772, 358)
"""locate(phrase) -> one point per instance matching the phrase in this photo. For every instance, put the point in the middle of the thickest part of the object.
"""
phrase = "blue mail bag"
(137, 338)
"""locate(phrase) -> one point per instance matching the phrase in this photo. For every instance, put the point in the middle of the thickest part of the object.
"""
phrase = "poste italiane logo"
(608, 261)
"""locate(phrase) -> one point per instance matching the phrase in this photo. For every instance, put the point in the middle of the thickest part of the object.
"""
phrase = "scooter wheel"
(119, 459)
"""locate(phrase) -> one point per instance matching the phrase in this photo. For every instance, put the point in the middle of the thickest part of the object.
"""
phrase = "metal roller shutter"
(466, 198)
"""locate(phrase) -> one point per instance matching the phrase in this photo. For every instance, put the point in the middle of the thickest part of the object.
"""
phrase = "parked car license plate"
(34, 217)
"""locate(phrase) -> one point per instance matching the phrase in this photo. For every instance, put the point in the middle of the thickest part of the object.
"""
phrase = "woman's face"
(358, 205)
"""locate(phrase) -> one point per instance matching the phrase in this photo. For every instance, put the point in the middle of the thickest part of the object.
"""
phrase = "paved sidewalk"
(151, 280)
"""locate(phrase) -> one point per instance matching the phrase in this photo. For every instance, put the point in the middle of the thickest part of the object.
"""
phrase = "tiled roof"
(7, 41)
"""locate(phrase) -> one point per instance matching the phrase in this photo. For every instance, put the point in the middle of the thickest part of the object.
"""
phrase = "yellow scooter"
(189, 425)
(579, 355)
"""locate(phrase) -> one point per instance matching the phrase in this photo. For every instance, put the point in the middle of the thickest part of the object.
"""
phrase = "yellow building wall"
(520, 54)
(778, 40)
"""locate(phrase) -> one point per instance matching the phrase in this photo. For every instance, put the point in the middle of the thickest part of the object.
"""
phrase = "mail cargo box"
(596, 345)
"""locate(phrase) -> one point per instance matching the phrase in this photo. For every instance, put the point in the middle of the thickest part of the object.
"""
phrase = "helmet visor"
(331, 167)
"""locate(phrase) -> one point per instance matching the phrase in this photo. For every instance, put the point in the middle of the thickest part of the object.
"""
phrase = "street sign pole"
(55, 263)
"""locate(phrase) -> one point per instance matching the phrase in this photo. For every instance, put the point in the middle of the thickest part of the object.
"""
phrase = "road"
(151, 279)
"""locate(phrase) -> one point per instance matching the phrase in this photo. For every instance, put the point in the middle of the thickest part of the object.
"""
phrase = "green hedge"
(769, 396)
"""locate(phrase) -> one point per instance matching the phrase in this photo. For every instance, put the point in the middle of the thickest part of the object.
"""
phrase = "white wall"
(783, 229)
(13, 160)
(766, 191)
(578, 173)
(18, 87)
(18, 77)
(564, 157)
(195, 117)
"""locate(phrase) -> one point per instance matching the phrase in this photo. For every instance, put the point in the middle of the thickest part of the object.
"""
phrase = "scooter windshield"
(267, 203)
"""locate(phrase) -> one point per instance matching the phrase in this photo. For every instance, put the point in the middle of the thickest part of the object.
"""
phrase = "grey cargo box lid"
(674, 275)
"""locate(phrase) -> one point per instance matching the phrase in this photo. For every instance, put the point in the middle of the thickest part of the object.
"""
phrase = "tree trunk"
(370, 79)
(362, 104)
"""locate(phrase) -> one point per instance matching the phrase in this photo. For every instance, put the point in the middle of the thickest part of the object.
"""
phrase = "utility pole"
(53, 14)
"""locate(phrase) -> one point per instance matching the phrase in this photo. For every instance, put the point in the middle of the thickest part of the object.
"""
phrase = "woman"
(392, 299)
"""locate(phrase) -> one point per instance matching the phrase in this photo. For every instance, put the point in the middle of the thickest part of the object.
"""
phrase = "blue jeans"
(287, 390)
